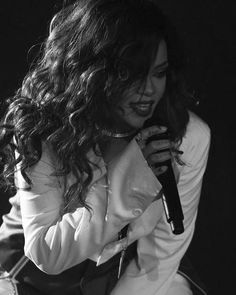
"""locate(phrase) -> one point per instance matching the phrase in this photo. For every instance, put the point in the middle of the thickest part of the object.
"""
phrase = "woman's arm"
(54, 242)
(160, 252)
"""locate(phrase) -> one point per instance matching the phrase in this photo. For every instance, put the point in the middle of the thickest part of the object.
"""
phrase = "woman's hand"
(157, 150)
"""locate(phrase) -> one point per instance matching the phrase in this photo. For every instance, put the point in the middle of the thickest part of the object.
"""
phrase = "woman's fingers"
(159, 170)
(146, 133)
(156, 146)
(156, 159)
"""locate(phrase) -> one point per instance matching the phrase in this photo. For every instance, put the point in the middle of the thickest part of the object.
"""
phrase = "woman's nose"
(148, 88)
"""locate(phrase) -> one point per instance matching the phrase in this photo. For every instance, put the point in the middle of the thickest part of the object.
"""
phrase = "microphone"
(170, 196)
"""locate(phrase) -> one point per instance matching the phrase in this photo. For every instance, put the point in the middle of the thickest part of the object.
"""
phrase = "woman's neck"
(112, 147)
(113, 142)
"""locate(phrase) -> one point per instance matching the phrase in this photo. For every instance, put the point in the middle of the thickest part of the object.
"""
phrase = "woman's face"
(138, 105)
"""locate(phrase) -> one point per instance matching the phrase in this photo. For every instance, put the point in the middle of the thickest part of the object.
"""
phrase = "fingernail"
(179, 152)
(163, 168)
(161, 128)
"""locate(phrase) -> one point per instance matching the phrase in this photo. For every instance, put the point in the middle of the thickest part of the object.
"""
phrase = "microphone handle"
(171, 200)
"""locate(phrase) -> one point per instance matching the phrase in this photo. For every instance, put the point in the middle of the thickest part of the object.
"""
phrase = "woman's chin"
(137, 124)
(131, 123)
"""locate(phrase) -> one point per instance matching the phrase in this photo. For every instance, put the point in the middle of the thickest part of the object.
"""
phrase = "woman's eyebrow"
(165, 63)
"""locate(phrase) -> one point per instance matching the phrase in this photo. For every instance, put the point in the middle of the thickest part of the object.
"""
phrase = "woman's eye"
(160, 74)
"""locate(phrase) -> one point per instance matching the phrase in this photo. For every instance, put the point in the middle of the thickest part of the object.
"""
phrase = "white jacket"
(123, 192)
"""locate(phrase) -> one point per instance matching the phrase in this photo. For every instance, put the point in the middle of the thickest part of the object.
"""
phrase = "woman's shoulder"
(197, 128)
(196, 140)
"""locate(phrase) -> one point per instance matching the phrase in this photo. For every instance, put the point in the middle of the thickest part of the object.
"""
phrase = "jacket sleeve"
(55, 241)
(160, 252)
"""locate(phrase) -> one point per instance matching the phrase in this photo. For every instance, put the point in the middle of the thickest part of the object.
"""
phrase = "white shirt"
(121, 193)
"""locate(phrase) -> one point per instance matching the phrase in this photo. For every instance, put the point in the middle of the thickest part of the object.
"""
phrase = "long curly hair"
(96, 49)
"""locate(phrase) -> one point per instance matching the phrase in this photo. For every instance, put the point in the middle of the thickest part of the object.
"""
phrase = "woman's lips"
(142, 109)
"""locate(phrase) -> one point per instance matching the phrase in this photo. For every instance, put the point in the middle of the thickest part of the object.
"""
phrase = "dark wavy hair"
(96, 49)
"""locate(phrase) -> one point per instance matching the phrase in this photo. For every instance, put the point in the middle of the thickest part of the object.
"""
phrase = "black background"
(209, 34)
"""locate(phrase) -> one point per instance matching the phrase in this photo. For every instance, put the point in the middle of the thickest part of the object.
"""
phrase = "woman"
(76, 138)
